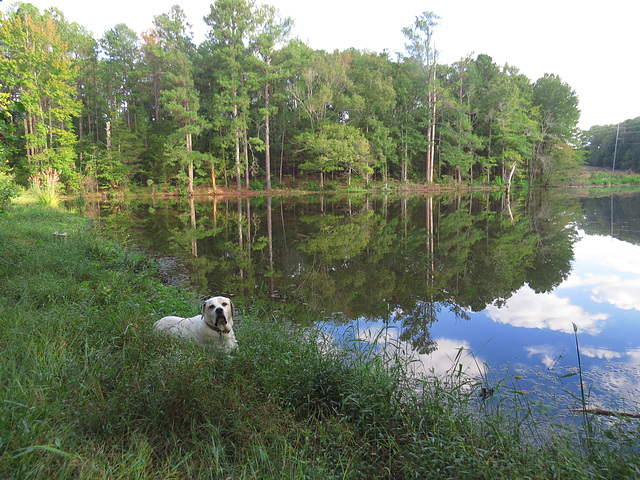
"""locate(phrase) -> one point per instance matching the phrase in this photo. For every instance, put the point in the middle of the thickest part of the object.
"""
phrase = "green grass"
(612, 178)
(90, 391)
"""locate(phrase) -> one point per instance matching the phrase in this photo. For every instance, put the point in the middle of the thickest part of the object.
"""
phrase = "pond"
(476, 281)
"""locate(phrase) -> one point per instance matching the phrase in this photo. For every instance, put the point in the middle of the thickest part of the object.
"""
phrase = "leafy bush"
(8, 190)
(277, 184)
(256, 184)
(313, 186)
(331, 186)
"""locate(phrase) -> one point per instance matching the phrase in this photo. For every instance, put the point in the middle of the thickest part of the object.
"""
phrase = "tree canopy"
(615, 147)
(251, 103)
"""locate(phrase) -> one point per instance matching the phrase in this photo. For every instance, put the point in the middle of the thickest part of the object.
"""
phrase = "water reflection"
(528, 309)
(505, 279)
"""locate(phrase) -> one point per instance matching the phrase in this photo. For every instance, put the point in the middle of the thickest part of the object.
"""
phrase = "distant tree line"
(616, 147)
(251, 107)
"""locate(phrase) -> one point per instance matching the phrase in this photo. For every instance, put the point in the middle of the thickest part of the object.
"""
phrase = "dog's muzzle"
(221, 318)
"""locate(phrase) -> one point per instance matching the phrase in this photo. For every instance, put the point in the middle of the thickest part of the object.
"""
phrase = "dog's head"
(217, 312)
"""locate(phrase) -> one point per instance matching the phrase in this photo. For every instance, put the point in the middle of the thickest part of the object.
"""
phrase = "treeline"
(250, 107)
(614, 146)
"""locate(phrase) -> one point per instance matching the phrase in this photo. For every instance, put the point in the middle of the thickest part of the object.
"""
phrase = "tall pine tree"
(179, 99)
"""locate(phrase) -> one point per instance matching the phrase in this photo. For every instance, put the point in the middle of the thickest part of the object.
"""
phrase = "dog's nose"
(220, 316)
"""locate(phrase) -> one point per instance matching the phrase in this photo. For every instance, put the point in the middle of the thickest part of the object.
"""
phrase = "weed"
(45, 187)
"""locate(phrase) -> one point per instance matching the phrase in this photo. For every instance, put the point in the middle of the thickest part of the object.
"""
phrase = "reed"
(45, 187)
(583, 397)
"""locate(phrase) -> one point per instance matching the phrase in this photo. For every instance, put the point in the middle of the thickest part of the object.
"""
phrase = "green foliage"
(602, 143)
(337, 147)
(9, 110)
(38, 69)
(558, 107)
(161, 108)
(256, 185)
(8, 190)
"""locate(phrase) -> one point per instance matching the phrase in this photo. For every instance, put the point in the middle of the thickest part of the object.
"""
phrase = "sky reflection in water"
(531, 335)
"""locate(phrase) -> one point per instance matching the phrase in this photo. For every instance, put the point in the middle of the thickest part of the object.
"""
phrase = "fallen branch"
(600, 411)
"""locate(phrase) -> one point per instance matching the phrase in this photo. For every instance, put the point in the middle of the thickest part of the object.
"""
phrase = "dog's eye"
(224, 304)
(212, 306)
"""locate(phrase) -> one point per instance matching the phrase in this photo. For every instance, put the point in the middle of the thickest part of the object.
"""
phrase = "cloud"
(609, 252)
(623, 294)
(579, 281)
(549, 355)
(634, 356)
(447, 357)
(594, 352)
(527, 309)
(616, 263)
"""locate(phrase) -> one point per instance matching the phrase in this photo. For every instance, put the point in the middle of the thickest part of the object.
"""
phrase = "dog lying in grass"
(213, 327)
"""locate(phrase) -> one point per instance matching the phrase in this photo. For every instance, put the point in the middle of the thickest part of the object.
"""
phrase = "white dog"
(214, 326)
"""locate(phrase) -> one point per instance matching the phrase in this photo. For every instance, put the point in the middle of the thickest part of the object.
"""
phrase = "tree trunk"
(26, 134)
(403, 173)
(513, 170)
(429, 166)
(246, 159)
(213, 177)
(237, 139)
(190, 167)
(267, 157)
(281, 154)
(433, 135)
(489, 156)
(156, 96)
(431, 132)
(194, 240)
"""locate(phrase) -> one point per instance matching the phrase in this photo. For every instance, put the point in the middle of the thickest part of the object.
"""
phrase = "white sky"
(590, 45)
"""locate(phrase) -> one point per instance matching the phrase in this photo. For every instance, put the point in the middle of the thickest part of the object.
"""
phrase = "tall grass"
(612, 178)
(90, 391)
(45, 187)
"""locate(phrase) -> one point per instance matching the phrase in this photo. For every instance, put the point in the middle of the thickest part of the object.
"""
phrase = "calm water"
(505, 281)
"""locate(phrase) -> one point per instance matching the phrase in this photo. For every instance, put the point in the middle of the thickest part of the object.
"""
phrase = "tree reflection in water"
(377, 258)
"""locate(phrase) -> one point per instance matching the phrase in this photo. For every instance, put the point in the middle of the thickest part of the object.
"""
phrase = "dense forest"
(614, 146)
(251, 107)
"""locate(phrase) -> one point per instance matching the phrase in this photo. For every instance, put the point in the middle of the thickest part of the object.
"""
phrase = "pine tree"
(179, 98)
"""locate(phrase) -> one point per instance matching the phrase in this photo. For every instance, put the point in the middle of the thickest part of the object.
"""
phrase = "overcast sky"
(591, 46)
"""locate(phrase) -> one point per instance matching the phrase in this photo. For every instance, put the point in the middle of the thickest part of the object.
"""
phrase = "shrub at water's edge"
(91, 391)
(45, 187)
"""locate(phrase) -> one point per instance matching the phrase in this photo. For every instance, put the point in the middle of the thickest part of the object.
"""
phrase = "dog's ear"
(204, 306)
(232, 309)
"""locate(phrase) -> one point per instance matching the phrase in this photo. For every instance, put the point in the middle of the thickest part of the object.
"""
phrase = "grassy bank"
(593, 176)
(89, 391)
